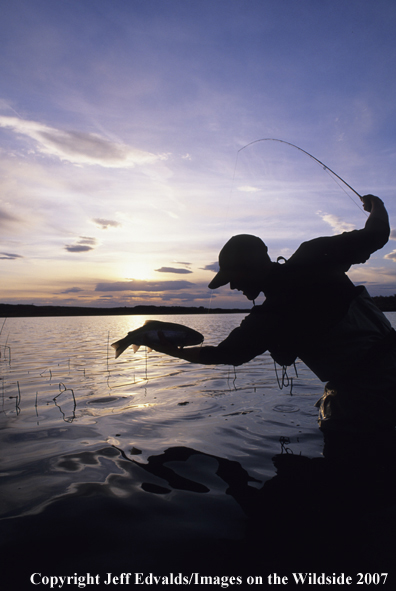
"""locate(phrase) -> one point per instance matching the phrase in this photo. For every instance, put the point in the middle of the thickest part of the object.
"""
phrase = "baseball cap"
(240, 252)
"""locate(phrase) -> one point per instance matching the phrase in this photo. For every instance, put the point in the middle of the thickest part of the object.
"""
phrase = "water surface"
(141, 455)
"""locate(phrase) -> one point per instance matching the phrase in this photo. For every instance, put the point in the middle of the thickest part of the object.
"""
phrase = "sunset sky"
(122, 124)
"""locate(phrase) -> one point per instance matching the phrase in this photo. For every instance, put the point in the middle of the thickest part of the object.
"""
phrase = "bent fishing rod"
(308, 154)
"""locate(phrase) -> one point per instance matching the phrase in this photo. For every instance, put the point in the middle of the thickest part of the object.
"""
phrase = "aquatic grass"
(61, 391)
(50, 373)
(5, 346)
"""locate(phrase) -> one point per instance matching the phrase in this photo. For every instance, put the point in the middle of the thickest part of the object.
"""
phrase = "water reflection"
(185, 510)
(167, 466)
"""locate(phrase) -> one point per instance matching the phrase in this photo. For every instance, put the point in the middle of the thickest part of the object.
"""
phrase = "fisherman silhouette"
(313, 311)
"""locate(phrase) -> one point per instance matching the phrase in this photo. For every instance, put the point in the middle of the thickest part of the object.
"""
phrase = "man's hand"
(367, 203)
(163, 346)
(190, 354)
(370, 201)
(378, 220)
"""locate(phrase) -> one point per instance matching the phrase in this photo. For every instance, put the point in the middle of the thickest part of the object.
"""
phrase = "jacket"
(312, 309)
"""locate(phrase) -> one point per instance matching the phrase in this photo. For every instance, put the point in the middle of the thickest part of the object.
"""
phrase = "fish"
(177, 334)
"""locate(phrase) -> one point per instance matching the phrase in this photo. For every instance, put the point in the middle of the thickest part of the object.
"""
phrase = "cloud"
(368, 275)
(336, 223)
(80, 147)
(78, 248)
(172, 270)
(6, 219)
(72, 290)
(142, 285)
(391, 256)
(8, 256)
(87, 240)
(393, 235)
(85, 244)
(188, 297)
(104, 224)
(212, 267)
(248, 189)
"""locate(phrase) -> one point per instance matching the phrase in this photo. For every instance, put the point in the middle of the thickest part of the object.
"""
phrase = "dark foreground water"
(148, 467)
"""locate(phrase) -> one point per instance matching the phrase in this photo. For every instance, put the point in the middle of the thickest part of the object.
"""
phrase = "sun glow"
(136, 270)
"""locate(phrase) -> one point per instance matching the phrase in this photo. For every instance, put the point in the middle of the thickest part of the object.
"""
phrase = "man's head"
(243, 262)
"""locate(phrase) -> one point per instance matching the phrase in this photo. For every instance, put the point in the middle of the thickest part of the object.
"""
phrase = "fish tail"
(123, 344)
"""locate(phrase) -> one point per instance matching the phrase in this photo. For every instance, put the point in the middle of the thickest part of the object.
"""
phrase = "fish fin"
(121, 345)
(137, 347)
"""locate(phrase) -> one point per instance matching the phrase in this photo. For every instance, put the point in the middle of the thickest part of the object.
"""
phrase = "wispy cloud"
(72, 290)
(337, 224)
(173, 270)
(188, 297)
(80, 147)
(212, 267)
(393, 235)
(77, 248)
(391, 256)
(141, 285)
(375, 278)
(6, 219)
(248, 189)
(104, 224)
(85, 244)
(9, 256)
(5, 105)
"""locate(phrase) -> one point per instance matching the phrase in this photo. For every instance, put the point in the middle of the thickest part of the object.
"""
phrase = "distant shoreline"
(31, 311)
(384, 303)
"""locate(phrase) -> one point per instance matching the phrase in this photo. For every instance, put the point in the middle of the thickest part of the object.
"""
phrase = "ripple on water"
(286, 408)
(103, 401)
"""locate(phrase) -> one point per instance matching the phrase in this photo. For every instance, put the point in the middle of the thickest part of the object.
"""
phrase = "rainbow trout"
(177, 334)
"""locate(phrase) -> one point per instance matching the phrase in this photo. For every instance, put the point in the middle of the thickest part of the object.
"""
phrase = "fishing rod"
(308, 154)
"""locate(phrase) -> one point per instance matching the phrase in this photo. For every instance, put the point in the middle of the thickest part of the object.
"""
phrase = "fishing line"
(285, 380)
(324, 166)
(209, 306)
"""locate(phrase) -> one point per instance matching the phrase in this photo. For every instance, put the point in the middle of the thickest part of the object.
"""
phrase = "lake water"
(148, 464)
